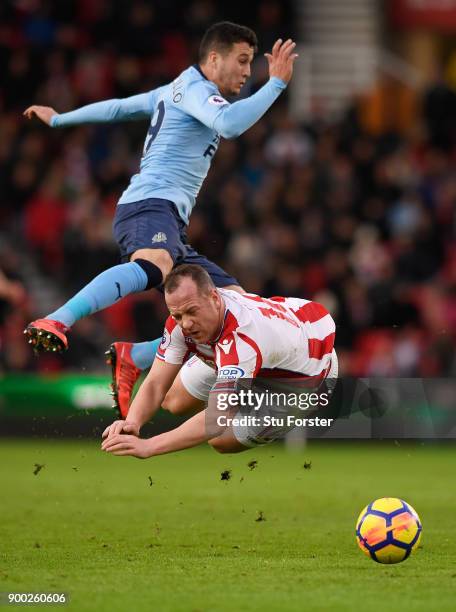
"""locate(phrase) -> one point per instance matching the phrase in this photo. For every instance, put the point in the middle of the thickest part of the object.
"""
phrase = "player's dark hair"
(222, 36)
(198, 275)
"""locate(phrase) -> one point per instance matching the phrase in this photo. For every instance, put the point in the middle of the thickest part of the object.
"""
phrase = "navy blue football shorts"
(155, 224)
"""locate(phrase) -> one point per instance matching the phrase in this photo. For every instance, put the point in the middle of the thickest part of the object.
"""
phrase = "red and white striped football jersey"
(260, 337)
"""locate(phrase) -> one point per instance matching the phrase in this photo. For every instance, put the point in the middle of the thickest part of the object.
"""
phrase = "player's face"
(233, 68)
(199, 315)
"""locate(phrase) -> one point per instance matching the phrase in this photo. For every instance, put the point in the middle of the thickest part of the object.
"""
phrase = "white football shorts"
(198, 378)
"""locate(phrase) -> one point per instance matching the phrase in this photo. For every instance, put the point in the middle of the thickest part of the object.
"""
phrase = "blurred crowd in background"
(364, 224)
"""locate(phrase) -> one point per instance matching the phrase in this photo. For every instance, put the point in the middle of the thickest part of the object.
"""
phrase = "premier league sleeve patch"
(165, 341)
(217, 100)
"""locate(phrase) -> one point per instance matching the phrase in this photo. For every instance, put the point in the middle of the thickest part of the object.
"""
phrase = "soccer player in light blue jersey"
(187, 119)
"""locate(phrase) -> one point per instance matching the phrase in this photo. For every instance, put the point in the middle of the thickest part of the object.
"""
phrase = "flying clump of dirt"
(38, 468)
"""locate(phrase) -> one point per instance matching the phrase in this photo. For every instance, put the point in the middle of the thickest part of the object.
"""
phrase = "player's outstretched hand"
(126, 445)
(45, 113)
(119, 427)
(281, 59)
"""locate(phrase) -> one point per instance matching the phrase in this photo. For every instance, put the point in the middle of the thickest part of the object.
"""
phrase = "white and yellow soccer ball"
(388, 530)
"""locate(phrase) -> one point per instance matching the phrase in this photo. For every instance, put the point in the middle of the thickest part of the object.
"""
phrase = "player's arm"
(148, 399)
(109, 111)
(231, 120)
(171, 354)
(206, 425)
(151, 393)
(214, 420)
(189, 434)
(200, 428)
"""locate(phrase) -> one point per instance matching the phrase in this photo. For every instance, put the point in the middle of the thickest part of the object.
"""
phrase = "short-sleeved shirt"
(260, 337)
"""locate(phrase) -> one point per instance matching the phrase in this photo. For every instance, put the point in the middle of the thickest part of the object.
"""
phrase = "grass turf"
(94, 526)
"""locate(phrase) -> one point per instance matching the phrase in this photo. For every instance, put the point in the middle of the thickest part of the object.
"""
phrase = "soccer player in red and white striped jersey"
(239, 336)
(261, 337)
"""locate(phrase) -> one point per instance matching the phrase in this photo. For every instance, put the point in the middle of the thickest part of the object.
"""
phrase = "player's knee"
(222, 445)
(218, 445)
(173, 403)
(159, 258)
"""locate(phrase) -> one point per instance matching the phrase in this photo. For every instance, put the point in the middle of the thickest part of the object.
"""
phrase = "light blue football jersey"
(188, 117)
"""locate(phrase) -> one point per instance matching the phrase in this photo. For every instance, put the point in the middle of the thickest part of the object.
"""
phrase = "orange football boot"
(47, 335)
(124, 375)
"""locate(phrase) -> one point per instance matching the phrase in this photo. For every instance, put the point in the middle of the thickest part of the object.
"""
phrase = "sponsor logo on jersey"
(178, 86)
(230, 373)
(212, 148)
(217, 100)
(226, 345)
(159, 237)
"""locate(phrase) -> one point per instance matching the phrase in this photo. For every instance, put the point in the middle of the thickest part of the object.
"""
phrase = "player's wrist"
(278, 81)
(153, 447)
(134, 423)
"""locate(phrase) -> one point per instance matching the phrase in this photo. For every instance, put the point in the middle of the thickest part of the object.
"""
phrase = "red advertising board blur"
(429, 14)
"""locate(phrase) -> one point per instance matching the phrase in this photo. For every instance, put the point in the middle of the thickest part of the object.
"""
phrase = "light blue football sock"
(143, 353)
(103, 291)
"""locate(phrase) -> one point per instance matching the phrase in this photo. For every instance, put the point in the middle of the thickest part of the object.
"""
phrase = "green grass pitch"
(168, 534)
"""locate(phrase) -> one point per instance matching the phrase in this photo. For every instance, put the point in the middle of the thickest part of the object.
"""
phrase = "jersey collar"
(222, 328)
(197, 67)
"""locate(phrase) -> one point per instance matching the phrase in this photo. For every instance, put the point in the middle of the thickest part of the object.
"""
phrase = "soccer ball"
(388, 530)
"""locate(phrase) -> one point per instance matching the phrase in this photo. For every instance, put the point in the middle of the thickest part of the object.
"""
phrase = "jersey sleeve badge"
(217, 100)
